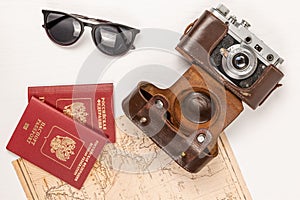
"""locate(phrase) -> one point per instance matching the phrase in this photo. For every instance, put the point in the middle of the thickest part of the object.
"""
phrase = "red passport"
(56, 143)
(91, 105)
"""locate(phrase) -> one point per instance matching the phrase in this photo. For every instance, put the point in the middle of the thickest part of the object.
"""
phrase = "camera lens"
(240, 61)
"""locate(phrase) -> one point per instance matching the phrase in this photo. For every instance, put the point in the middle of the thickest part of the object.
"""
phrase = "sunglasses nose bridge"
(88, 24)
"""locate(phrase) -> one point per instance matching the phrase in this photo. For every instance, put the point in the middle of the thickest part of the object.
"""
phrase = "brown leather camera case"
(159, 114)
(197, 44)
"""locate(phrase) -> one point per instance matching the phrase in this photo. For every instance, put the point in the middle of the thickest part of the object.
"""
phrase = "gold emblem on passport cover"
(76, 111)
(62, 147)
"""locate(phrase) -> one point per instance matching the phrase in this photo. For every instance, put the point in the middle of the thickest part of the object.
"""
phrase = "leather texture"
(197, 44)
(170, 129)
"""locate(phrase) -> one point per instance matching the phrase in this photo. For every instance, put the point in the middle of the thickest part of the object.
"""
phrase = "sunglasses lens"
(63, 29)
(113, 39)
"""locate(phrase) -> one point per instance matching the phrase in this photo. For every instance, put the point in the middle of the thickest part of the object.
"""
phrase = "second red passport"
(91, 105)
(56, 143)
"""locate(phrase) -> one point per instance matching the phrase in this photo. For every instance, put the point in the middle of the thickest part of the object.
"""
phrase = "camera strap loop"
(189, 27)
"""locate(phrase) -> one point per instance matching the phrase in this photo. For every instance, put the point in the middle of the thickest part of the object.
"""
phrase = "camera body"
(233, 55)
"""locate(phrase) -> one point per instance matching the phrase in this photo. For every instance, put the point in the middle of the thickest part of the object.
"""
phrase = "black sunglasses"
(110, 38)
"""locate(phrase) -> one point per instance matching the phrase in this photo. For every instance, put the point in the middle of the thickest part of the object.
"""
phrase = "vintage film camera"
(233, 55)
(230, 65)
